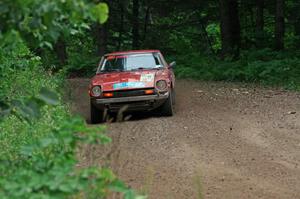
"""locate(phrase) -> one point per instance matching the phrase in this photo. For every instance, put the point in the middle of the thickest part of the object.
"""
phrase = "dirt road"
(225, 141)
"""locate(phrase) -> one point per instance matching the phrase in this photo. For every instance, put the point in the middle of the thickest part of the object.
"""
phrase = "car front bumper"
(135, 103)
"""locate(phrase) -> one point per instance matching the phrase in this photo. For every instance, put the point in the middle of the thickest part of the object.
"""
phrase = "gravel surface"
(225, 141)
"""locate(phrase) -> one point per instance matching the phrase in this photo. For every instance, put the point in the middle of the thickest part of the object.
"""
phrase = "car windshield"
(130, 62)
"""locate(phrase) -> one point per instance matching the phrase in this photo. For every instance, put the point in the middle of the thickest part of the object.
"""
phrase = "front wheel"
(167, 109)
(97, 116)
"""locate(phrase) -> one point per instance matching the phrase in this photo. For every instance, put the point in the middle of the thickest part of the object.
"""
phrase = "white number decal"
(147, 78)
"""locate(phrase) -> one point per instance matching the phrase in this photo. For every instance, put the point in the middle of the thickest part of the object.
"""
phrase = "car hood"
(126, 80)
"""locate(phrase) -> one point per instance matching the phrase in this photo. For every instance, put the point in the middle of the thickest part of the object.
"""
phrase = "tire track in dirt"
(238, 141)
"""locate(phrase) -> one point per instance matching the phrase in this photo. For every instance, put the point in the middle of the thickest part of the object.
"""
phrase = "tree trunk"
(101, 38)
(297, 32)
(260, 16)
(135, 25)
(206, 36)
(259, 23)
(279, 27)
(61, 51)
(230, 28)
(121, 26)
(296, 23)
(146, 22)
(297, 27)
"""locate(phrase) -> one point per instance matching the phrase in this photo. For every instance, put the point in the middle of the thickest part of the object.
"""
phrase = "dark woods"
(202, 35)
(238, 24)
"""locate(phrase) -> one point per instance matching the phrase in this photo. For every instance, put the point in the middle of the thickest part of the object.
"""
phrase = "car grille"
(131, 106)
(129, 93)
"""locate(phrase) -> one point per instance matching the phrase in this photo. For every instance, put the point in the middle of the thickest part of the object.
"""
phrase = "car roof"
(132, 52)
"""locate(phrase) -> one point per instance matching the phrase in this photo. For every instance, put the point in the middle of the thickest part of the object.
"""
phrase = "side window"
(163, 61)
(158, 61)
(100, 65)
(156, 58)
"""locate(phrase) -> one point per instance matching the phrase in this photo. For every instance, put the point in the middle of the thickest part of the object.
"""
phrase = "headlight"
(96, 91)
(161, 85)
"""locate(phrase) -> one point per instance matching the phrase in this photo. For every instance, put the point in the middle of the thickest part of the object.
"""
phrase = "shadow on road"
(134, 116)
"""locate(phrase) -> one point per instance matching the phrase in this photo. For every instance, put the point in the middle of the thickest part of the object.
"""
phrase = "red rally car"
(132, 81)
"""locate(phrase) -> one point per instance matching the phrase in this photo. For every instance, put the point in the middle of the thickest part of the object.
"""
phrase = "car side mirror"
(172, 64)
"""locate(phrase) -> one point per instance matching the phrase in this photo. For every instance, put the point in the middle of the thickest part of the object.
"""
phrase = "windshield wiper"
(139, 68)
(142, 68)
(110, 70)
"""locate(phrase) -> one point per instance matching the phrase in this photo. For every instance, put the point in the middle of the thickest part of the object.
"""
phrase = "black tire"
(97, 116)
(167, 109)
(173, 97)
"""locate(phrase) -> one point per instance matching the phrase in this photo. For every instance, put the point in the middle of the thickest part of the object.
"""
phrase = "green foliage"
(214, 32)
(82, 60)
(39, 137)
(100, 12)
(42, 22)
(263, 66)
